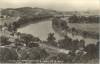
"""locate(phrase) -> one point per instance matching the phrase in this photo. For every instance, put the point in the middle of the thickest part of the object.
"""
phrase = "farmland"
(93, 27)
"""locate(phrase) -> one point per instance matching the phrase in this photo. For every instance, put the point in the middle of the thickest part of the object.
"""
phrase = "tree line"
(61, 25)
(27, 42)
(83, 19)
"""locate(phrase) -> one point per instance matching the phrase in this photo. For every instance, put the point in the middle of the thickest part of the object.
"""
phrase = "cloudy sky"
(62, 5)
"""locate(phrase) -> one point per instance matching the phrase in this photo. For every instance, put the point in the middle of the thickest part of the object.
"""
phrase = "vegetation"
(6, 55)
(51, 39)
(69, 44)
(91, 50)
(83, 19)
(27, 47)
(34, 53)
(24, 47)
(27, 11)
(85, 52)
(65, 43)
(60, 25)
(4, 40)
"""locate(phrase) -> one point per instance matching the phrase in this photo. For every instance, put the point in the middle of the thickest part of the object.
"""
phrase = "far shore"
(31, 22)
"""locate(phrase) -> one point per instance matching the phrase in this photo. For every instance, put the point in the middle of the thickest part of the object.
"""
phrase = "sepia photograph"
(49, 31)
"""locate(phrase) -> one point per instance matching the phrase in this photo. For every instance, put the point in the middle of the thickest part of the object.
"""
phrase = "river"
(41, 30)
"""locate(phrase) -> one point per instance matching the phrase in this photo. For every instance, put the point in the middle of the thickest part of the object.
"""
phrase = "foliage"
(91, 50)
(51, 39)
(7, 54)
(83, 19)
(26, 38)
(65, 43)
(34, 53)
(4, 40)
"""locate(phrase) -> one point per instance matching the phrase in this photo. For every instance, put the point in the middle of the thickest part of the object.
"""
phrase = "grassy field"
(93, 27)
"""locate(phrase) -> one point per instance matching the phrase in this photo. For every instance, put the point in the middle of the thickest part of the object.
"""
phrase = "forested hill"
(28, 11)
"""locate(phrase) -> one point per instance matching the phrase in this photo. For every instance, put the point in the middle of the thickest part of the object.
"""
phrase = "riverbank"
(33, 22)
(75, 34)
(29, 29)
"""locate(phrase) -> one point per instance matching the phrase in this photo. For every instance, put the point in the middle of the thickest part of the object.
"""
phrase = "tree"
(27, 38)
(34, 53)
(75, 44)
(36, 39)
(55, 22)
(15, 25)
(0, 27)
(66, 58)
(73, 29)
(5, 24)
(7, 54)
(91, 51)
(63, 24)
(4, 40)
(65, 43)
(67, 27)
(19, 42)
(73, 19)
(33, 45)
(97, 47)
(51, 39)
(81, 44)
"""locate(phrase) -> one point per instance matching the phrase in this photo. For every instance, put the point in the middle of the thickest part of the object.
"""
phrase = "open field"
(93, 27)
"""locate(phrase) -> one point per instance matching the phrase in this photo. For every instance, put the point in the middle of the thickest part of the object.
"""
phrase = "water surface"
(40, 29)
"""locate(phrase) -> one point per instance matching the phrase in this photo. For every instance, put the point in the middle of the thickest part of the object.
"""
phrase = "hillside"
(28, 11)
(25, 15)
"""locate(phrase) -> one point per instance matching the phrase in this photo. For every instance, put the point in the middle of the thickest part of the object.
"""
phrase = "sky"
(62, 5)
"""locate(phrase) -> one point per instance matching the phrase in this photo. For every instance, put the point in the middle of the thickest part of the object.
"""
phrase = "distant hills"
(83, 13)
(28, 11)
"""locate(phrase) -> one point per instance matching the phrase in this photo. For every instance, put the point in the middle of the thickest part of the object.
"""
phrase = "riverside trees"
(51, 39)
(65, 43)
